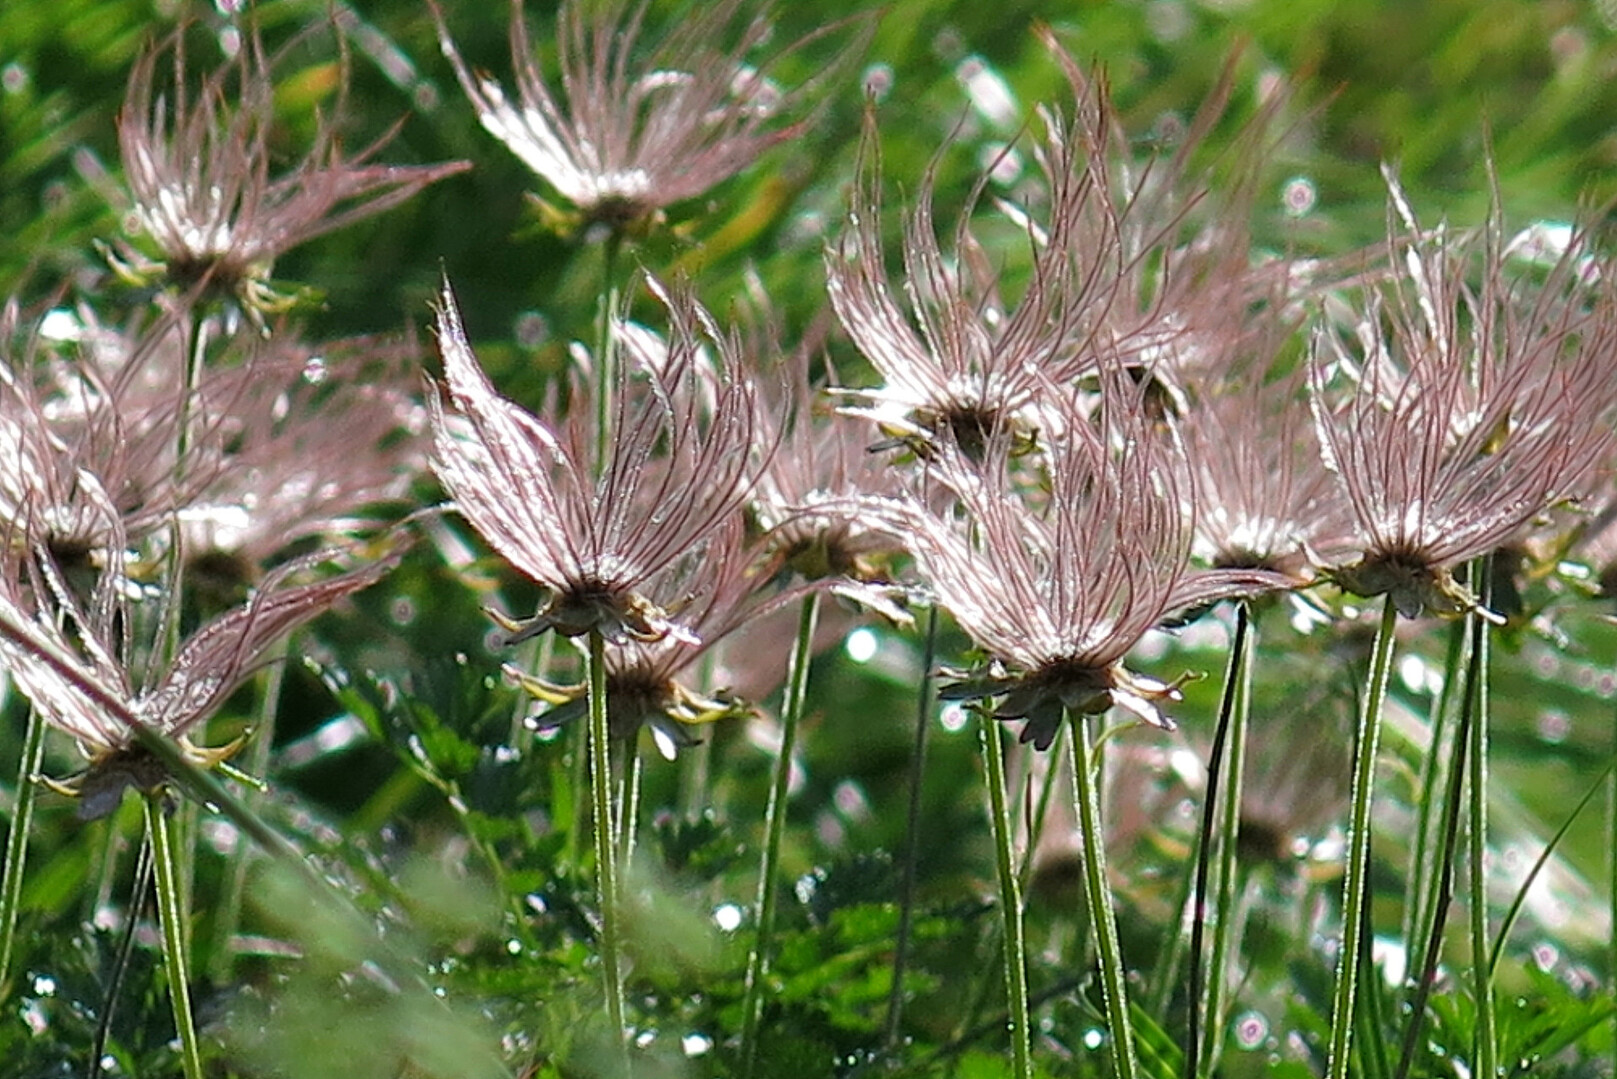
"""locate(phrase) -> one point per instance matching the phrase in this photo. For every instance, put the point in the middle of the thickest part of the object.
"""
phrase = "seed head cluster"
(1110, 424)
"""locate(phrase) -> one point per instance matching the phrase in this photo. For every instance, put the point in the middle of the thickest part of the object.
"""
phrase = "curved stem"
(1102, 915)
(171, 915)
(33, 758)
(774, 831)
(1010, 900)
(1354, 880)
(912, 830)
(606, 851)
(1231, 721)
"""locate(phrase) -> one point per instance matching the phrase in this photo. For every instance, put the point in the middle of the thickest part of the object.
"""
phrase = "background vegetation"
(397, 763)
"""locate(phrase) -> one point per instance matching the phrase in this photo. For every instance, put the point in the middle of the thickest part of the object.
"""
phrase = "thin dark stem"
(1204, 857)
(912, 844)
(1422, 870)
(120, 965)
(22, 814)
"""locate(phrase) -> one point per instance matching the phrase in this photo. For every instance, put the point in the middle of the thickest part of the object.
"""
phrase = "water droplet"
(13, 78)
(402, 611)
(878, 81)
(314, 370)
(531, 329)
(1250, 1030)
(861, 645)
(513, 947)
(1298, 196)
(1094, 1038)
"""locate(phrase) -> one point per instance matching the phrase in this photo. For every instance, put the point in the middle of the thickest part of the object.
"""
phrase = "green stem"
(1102, 914)
(172, 615)
(172, 917)
(605, 360)
(1010, 900)
(1424, 872)
(912, 831)
(606, 851)
(33, 758)
(1230, 734)
(1487, 1047)
(774, 831)
(1437, 921)
(1366, 740)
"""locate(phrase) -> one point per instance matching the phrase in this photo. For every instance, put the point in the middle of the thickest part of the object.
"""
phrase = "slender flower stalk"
(139, 891)
(758, 959)
(1428, 858)
(172, 920)
(1356, 879)
(606, 848)
(1010, 900)
(22, 813)
(1486, 1051)
(1223, 791)
(1102, 914)
(1430, 947)
(1224, 906)
(912, 830)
